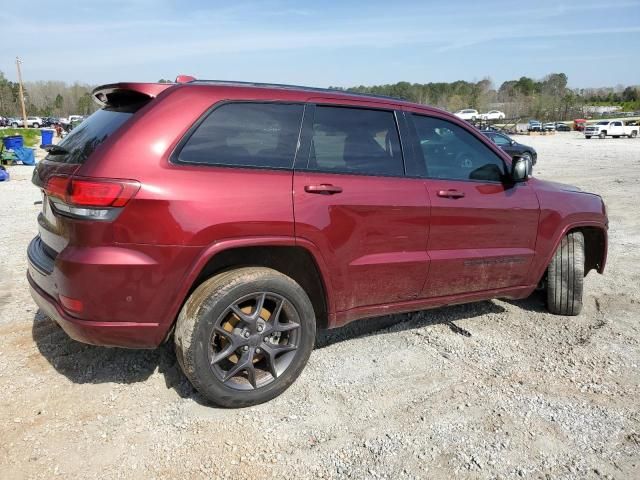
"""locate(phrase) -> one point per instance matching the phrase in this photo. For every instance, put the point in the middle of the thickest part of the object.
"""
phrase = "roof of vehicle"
(103, 93)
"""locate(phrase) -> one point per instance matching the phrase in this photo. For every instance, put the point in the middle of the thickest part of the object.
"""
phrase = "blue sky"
(339, 43)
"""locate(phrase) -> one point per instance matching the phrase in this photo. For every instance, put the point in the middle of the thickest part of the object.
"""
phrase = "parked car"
(512, 147)
(50, 121)
(562, 127)
(467, 114)
(75, 118)
(534, 126)
(549, 127)
(579, 124)
(493, 115)
(615, 129)
(3, 122)
(266, 212)
(32, 122)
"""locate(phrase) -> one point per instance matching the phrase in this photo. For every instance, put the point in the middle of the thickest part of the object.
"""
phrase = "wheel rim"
(254, 341)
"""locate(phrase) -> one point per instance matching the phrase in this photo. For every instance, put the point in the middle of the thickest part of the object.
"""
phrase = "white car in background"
(467, 114)
(493, 115)
(32, 122)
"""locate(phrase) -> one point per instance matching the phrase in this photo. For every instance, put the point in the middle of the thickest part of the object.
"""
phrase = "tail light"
(90, 198)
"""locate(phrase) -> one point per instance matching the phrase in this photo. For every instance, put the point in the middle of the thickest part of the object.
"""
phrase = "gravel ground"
(527, 395)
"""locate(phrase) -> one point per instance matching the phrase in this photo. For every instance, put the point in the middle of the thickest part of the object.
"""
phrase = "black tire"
(616, 136)
(587, 137)
(565, 276)
(36, 125)
(602, 135)
(14, 125)
(634, 134)
(199, 343)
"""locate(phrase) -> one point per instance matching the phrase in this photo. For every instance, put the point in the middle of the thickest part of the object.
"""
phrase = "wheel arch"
(595, 246)
(298, 260)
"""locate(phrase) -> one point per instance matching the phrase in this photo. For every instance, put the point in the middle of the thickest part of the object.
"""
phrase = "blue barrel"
(13, 141)
(47, 137)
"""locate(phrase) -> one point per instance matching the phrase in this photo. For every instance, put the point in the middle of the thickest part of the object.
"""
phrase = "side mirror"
(513, 142)
(521, 169)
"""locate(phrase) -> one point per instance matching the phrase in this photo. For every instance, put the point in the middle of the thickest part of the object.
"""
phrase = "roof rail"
(234, 83)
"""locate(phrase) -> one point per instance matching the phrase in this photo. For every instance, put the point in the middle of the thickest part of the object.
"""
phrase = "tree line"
(46, 98)
(546, 99)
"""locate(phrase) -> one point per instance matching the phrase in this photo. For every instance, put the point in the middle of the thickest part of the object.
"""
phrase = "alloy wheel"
(254, 341)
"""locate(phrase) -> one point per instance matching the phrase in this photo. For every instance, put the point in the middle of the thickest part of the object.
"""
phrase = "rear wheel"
(634, 134)
(14, 125)
(244, 336)
(36, 125)
(565, 276)
(587, 137)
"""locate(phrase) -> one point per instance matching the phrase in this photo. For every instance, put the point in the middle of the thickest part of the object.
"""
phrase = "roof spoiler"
(121, 94)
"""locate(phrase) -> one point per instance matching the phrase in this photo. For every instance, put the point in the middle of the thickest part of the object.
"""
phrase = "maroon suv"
(237, 218)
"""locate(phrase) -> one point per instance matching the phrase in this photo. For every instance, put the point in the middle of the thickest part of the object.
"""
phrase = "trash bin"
(13, 141)
(47, 137)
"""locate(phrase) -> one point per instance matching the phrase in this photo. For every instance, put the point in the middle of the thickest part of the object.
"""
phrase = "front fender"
(563, 209)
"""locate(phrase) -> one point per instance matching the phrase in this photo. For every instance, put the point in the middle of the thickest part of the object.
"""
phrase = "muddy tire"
(565, 276)
(244, 336)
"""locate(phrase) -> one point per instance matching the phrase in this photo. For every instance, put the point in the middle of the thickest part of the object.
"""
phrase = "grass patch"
(31, 135)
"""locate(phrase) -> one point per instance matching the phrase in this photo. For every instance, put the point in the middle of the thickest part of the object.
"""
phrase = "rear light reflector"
(71, 304)
(90, 197)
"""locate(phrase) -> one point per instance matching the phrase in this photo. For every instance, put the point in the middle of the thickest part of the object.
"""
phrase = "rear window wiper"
(54, 149)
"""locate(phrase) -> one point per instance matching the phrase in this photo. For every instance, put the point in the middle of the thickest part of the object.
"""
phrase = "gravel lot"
(527, 395)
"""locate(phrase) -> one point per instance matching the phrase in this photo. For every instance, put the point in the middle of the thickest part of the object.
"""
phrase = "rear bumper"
(108, 334)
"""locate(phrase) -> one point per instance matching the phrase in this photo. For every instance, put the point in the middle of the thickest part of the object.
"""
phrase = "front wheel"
(245, 335)
(565, 276)
(602, 135)
(36, 125)
(587, 137)
(14, 125)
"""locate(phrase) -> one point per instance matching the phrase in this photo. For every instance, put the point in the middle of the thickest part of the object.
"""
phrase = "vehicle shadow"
(407, 321)
(82, 363)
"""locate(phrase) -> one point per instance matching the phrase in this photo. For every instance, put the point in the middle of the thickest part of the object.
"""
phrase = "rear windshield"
(80, 143)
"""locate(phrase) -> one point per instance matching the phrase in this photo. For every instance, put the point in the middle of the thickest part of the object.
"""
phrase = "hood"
(548, 185)
(559, 186)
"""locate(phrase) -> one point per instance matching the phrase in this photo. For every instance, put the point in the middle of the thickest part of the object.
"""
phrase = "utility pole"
(21, 91)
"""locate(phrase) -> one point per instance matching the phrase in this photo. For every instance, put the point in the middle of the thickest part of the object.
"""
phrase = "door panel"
(482, 227)
(352, 201)
(481, 241)
(373, 235)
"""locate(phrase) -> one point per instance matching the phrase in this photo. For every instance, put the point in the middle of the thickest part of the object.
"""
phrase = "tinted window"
(449, 151)
(80, 143)
(246, 135)
(351, 140)
(500, 140)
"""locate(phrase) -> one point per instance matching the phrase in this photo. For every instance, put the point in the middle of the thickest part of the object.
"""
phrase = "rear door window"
(80, 143)
(355, 140)
(246, 135)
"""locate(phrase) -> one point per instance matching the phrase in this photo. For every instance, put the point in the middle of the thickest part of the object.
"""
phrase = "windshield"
(602, 123)
(84, 138)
